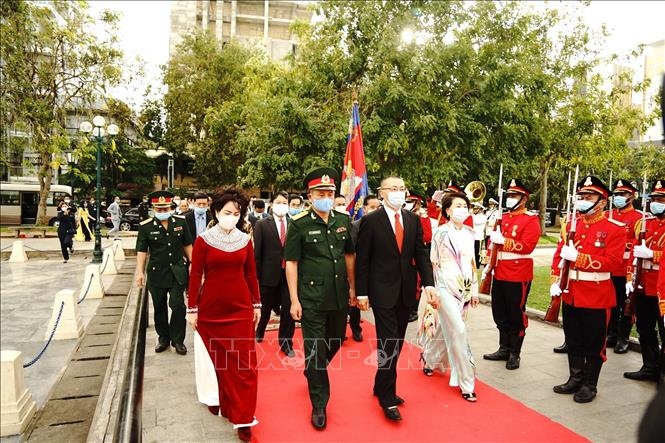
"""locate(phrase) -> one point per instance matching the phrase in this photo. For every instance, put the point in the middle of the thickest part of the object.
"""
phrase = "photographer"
(66, 229)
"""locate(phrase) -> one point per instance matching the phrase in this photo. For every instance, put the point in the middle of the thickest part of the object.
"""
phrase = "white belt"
(648, 265)
(626, 255)
(588, 276)
(512, 256)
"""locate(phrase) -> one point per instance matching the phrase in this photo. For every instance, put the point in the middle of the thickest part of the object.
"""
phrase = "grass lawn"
(539, 295)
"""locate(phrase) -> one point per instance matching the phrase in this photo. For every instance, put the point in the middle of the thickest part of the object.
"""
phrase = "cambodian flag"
(354, 174)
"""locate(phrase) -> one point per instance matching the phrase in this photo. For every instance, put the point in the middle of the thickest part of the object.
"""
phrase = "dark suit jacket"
(382, 273)
(191, 222)
(268, 251)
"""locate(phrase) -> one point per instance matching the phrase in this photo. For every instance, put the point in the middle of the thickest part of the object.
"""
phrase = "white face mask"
(227, 222)
(511, 203)
(459, 214)
(408, 206)
(396, 199)
(280, 209)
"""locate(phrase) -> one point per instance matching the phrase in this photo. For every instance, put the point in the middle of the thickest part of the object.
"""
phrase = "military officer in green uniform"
(320, 264)
(168, 240)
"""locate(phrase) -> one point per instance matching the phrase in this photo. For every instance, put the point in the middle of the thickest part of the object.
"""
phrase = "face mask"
(177, 202)
(294, 211)
(323, 204)
(161, 216)
(280, 209)
(227, 222)
(408, 206)
(200, 211)
(511, 203)
(657, 208)
(67, 200)
(396, 199)
(460, 214)
(584, 206)
(341, 208)
(620, 201)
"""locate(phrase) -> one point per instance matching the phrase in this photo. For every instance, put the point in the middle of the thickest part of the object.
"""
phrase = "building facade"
(266, 22)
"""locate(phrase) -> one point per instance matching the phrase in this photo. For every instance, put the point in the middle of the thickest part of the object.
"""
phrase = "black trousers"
(354, 320)
(323, 332)
(66, 241)
(647, 319)
(509, 306)
(476, 247)
(172, 331)
(391, 326)
(586, 331)
(273, 297)
(620, 324)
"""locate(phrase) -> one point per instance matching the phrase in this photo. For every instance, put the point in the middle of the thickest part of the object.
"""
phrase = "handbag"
(427, 326)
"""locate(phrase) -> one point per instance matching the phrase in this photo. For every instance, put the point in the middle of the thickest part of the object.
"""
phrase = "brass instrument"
(475, 191)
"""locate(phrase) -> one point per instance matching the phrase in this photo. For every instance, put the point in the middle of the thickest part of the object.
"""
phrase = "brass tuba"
(475, 191)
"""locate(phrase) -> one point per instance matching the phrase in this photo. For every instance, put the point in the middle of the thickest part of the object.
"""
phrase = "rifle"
(610, 216)
(486, 284)
(552, 313)
(638, 285)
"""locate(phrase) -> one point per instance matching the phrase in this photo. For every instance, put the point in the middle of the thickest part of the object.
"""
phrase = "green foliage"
(478, 85)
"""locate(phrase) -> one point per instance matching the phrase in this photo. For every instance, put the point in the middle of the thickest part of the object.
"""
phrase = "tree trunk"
(44, 175)
(545, 170)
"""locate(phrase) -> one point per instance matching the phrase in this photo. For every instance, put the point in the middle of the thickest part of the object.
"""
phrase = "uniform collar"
(626, 209)
(595, 218)
(519, 211)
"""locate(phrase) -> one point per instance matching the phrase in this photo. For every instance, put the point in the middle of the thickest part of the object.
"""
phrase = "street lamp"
(98, 132)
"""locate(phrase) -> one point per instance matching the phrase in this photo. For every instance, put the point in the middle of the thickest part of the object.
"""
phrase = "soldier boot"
(649, 370)
(514, 352)
(502, 353)
(576, 378)
(624, 326)
(588, 390)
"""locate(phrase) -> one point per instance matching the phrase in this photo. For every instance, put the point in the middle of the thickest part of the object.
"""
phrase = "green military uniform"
(323, 291)
(167, 274)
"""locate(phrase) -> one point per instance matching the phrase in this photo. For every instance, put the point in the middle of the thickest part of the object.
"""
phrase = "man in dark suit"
(269, 239)
(198, 219)
(259, 212)
(390, 254)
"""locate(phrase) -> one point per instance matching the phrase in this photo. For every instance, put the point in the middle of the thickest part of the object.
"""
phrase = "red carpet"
(433, 412)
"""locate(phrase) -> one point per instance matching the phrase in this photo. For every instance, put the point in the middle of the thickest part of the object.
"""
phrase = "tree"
(53, 63)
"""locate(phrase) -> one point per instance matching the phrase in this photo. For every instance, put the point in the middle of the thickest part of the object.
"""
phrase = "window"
(9, 198)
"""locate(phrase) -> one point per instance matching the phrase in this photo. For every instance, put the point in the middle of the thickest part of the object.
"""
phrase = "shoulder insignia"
(301, 215)
(616, 222)
(147, 220)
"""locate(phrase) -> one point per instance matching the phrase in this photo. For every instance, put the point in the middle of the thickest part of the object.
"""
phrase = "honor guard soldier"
(166, 237)
(647, 312)
(618, 331)
(320, 259)
(517, 237)
(589, 298)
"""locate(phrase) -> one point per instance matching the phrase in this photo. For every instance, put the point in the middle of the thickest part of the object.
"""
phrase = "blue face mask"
(161, 216)
(323, 204)
(200, 211)
(620, 201)
(294, 211)
(583, 206)
(657, 208)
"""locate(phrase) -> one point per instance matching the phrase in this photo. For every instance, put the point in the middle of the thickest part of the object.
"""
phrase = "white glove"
(641, 251)
(497, 238)
(555, 290)
(629, 287)
(569, 252)
(484, 274)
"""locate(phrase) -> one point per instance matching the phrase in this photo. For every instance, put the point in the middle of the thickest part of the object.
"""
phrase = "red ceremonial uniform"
(661, 290)
(521, 231)
(629, 217)
(655, 240)
(600, 243)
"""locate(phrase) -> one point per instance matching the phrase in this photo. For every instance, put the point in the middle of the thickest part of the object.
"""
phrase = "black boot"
(514, 353)
(624, 327)
(502, 353)
(649, 370)
(563, 349)
(576, 378)
(591, 373)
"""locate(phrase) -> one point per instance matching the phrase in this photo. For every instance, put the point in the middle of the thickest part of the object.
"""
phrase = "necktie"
(282, 237)
(399, 232)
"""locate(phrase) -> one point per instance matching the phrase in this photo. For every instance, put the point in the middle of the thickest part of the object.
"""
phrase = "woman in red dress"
(223, 308)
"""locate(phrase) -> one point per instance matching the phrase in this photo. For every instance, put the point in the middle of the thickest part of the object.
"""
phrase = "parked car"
(128, 222)
(550, 216)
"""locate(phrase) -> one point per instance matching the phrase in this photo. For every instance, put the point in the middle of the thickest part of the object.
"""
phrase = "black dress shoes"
(161, 347)
(289, 352)
(621, 347)
(392, 413)
(399, 401)
(413, 317)
(358, 336)
(563, 349)
(180, 348)
(319, 418)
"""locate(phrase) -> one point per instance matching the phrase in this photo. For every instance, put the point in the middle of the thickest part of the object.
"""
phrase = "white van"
(19, 202)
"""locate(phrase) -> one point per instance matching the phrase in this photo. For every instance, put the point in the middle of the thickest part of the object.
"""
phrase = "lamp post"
(98, 131)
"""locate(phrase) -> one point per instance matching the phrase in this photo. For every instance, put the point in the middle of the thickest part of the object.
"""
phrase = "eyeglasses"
(395, 189)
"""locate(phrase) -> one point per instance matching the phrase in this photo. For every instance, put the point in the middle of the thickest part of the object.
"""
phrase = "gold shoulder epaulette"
(147, 220)
(301, 215)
